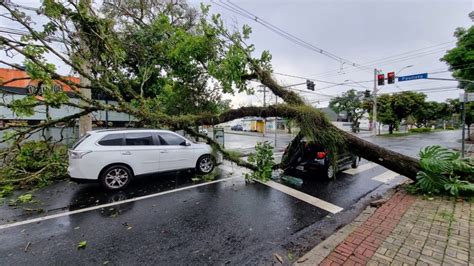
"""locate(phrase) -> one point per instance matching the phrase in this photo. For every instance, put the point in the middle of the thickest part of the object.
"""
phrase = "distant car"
(311, 157)
(237, 128)
(203, 131)
(114, 157)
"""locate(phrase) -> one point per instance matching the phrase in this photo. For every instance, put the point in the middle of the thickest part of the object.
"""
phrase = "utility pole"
(264, 105)
(275, 123)
(374, 111)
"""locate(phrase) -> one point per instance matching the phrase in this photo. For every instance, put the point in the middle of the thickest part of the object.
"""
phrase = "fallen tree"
(164, 49)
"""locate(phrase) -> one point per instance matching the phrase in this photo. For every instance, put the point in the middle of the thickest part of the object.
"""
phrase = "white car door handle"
(163, 151)
(126, 153)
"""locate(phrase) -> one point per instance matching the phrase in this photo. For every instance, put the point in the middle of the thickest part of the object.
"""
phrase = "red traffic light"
(390, 77)
(381, 79)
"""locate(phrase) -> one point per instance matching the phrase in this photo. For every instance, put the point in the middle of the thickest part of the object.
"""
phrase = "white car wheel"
(205, 164)
(115, 177)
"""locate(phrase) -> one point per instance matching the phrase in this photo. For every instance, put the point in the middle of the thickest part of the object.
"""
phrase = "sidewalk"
(406, 230)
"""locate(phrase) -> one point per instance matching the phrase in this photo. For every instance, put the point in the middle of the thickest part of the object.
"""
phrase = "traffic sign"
(413, 77)
(466, 97)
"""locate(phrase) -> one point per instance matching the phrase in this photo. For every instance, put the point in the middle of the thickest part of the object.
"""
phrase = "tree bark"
(397, 162)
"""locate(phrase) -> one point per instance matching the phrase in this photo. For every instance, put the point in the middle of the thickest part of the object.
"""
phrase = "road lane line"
(53, 216)
(386, 176)
(304, 197)
(360, 169)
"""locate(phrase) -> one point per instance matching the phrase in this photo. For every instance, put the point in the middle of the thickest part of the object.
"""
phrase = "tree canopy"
(351, 102)
(166, 64)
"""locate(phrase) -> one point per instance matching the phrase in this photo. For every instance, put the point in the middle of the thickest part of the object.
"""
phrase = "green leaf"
(82, 245)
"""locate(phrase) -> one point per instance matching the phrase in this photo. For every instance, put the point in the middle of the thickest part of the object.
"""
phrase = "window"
(139, 139)
(170, 139)
(80, 141)
(112, 140)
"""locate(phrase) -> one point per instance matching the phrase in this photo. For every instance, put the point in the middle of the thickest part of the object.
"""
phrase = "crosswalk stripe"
(386, 176)
(360, 168)
(304, 197)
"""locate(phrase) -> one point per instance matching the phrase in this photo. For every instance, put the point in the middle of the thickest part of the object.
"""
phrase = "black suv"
(311, 157)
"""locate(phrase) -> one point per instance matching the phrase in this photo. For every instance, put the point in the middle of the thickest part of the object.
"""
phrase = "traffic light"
(381, 79)
(390, 77)
(309, 85)
(367, 94)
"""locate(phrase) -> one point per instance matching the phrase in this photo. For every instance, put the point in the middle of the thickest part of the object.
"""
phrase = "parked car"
(311, 157)
(114, 157)
(203, 131)
(237, 128)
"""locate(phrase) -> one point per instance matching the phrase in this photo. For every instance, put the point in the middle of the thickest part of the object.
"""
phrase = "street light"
(396, 73)
(403, 68)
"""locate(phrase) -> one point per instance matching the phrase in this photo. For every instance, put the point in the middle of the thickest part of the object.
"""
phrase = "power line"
(317, 80)
(388, 62)
(388, 57)
(245, 13)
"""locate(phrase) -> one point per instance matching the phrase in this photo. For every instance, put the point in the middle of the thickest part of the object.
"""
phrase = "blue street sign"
(412, 77)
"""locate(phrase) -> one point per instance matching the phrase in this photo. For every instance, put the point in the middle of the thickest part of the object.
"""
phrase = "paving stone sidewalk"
(410, 230)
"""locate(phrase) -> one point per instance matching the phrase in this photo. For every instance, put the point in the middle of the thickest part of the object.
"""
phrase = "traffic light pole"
(374, 112)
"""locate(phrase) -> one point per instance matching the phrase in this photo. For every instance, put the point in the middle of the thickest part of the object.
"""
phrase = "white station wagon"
(114, 157)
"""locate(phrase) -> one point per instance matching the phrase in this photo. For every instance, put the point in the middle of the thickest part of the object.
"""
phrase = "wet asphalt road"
(227, 222)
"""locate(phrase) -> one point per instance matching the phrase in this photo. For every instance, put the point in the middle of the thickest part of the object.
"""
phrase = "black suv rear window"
(112, 140)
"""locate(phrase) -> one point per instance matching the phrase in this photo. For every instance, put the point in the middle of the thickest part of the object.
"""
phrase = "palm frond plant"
(444, 171)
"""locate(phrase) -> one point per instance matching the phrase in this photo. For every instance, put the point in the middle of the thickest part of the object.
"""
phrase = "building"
(16, 85)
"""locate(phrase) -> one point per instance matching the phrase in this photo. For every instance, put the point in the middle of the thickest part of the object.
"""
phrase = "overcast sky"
(359, 31)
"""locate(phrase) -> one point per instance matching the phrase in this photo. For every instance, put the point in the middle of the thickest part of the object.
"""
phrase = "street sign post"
(413, 77)
(464, 98)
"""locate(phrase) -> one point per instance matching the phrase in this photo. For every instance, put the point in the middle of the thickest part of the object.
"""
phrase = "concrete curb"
(322, 250)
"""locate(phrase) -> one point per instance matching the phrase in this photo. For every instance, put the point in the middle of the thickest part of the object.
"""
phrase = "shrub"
(263, 159)
(34, 163)
(420, 130)
(445, 172)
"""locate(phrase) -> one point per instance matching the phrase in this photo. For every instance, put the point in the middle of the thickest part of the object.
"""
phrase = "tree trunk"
(390, 129)
(397, 162)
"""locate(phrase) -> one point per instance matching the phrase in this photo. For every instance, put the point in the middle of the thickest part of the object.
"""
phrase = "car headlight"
(77, 154)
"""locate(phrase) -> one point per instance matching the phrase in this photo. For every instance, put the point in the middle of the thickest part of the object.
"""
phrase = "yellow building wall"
(260, 126)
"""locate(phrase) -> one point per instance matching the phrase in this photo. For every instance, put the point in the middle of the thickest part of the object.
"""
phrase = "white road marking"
(360, 169)
(304, 197)
(44, 218)
(386, 176)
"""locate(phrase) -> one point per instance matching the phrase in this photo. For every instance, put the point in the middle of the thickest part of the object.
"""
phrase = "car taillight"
(320, 155)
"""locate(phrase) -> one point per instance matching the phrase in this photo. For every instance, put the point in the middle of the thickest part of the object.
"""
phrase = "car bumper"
(314, 165)
(79, 170)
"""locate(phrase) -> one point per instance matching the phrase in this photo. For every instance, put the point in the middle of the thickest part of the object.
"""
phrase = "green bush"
(420, 130)
(444, 172)
(263, 159)
(33, 163)
(449, 128)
